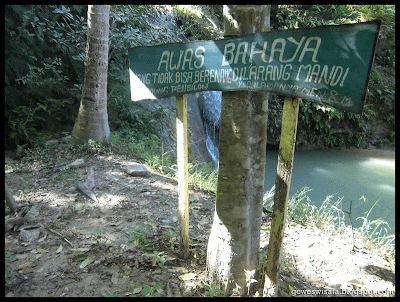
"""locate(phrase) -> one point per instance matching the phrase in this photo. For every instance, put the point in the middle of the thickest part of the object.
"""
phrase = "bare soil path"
(127, 244)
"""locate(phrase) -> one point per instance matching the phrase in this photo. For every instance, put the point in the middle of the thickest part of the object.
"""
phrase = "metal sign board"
(329, 65)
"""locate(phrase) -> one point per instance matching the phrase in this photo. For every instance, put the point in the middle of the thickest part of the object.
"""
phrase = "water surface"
(344, 173)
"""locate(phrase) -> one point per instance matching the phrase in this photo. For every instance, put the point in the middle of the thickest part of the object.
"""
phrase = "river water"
(347, 173)
(350, 174)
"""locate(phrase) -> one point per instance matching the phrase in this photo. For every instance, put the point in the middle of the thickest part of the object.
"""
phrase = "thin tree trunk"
(233, 246)
(92, 121)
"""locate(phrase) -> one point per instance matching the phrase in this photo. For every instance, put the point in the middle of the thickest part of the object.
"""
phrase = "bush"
(195, 22)
(39, 76)
(45, 52)
(324, 125)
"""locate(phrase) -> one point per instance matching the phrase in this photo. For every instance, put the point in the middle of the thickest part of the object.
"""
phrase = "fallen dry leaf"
(188, 276)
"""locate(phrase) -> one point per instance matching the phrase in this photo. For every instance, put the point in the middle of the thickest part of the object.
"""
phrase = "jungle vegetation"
(45, 54)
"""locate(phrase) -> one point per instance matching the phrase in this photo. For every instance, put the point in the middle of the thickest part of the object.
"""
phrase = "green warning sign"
(328, 64)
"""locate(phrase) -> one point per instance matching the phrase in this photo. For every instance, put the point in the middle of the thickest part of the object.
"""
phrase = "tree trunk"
(233, 246)
(92, 121)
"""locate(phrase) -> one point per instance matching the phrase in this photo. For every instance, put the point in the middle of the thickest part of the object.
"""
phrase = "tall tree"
(233, 246)
(92, 121)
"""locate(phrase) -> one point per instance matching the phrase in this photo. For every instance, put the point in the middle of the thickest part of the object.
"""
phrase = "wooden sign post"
(329, 65)
(282, 187)
(183, 177)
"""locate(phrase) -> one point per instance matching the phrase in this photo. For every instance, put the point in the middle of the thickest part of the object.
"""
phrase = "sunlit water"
(350, 174)
(344, 173)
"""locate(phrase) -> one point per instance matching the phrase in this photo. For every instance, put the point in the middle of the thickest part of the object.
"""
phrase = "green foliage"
(327, 214)
(298, 205)
(133, 120)
(159, 259)
(68, 28)
(147, 290)
(37, 73)
(139, 25)
(327, 126)
(96, 147)
(45, 52)
(196, 23)
(152, 291)
(323, 125)
(385, 53)
(130, 26)
(203, 177)
(112, 294)
(139, 234)
(213, 290)
(306, 16)
(381, 94)
(148, 148)
(320, 125)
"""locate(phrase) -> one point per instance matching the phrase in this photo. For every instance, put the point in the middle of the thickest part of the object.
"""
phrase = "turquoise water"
(344, 173)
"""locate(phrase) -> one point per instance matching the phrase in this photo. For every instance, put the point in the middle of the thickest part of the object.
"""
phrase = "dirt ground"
(126, 243)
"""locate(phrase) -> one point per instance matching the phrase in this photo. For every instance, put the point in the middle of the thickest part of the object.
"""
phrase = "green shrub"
(45, 49)
(195, 22)
(45, 52)
(37, 69)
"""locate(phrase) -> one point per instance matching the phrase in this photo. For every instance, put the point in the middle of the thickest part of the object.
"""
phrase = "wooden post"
(183, 177)
(282, 187)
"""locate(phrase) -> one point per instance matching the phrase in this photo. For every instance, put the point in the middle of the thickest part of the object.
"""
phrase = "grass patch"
(330, 217)
(375, 233)
(149, 149)
(203, 177)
